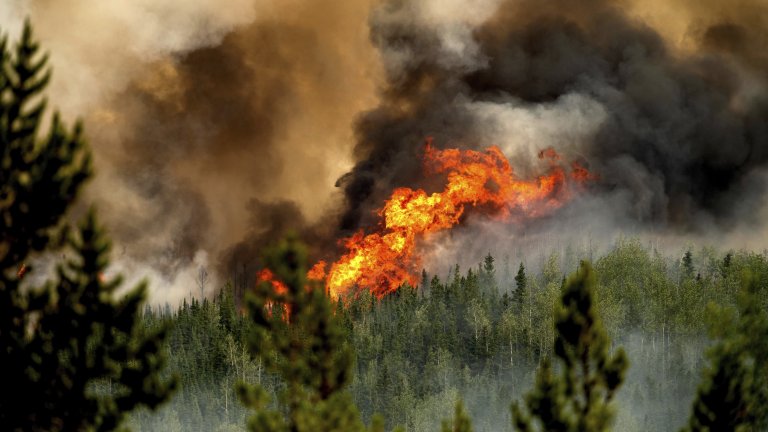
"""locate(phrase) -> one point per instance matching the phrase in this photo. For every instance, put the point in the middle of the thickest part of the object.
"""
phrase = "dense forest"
(479, 335)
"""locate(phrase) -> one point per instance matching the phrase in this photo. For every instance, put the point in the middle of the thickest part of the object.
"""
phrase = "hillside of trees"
(478, 335)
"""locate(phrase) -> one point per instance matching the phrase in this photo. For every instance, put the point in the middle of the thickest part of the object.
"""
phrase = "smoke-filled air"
(317, 215)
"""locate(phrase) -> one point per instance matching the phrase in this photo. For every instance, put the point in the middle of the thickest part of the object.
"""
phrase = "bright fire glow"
(383, 261)
(266, 275)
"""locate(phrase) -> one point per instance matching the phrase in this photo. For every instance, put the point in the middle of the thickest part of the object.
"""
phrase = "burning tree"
(298, 337)
(73, 356)
(384, 260)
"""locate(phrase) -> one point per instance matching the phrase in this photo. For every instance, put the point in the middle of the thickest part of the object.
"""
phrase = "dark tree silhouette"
(73, 357)
(733, 394)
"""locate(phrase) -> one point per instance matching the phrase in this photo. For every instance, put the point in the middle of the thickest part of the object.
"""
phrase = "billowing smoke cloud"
(675, 129)
(679, 133)
(209, 120)
(218, 126)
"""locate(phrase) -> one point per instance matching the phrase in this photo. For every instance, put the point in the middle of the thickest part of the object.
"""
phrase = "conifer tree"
(688, 264)
(733, 395)
(489, 274)
(521, 285)
(306, 347)
(460, 422)
(74, 357)
(577, 399)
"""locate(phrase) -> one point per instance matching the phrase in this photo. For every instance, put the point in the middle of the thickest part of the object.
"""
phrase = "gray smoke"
(678, 139)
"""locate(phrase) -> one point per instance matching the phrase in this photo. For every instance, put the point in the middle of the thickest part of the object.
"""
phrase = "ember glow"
(266, 275)
(384, 260)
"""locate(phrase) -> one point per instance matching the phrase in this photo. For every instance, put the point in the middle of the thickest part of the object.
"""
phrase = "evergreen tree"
(734, 393)
(461, 421)
(578, 399)
(73, 357)
(489, 274)
(726, 265)
(688, 264)
(521, 285)
(306, 347)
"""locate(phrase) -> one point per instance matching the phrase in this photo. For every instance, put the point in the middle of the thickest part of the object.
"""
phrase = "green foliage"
(488, 275)
(579, 398)
(460, 423)
(733, 395)
(417, 354)
(39, 178)
(73, 356)
(299, 339)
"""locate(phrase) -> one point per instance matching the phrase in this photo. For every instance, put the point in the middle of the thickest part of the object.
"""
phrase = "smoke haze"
(219, 125)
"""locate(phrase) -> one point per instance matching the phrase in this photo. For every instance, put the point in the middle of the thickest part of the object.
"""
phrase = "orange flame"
(22, 271)
(317, 272)
(383, 261)
(266, 275)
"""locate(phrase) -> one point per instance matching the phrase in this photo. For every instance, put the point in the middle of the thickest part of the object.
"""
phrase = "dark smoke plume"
(683, 134)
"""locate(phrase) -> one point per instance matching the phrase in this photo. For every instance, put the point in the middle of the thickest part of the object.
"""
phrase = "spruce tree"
(73, 356)
(577, 398)
(460, 422)
(687, 262)
(521, 285)
(733, 395)
(299, 339)
(488, 274)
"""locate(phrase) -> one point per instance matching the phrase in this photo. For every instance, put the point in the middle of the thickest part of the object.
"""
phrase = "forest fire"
(266, 275)
(279, 288)
(383, 261)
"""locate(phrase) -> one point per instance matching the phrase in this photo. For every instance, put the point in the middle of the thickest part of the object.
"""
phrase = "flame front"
(383, 261)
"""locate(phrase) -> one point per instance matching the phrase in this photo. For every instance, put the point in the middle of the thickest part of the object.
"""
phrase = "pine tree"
(74, 357)
(733, 395)
(307, 348)
(579, 397)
